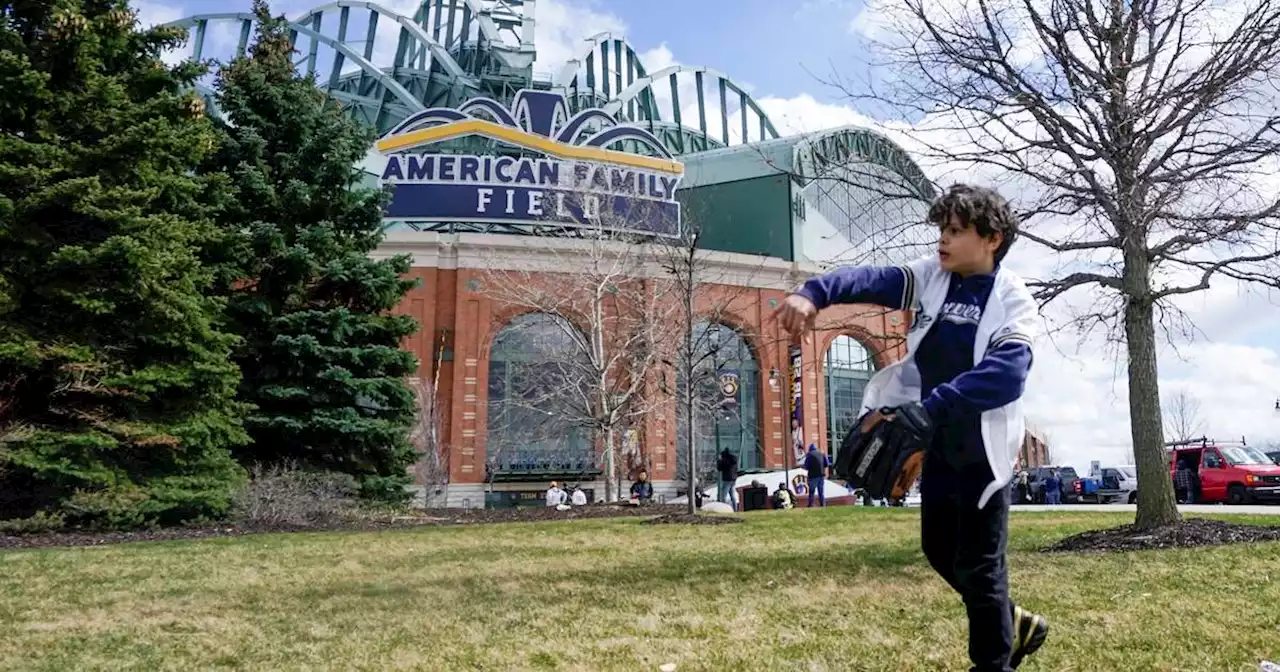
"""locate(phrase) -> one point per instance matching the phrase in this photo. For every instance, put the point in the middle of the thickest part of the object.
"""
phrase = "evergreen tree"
(119, 394)
(321, 359)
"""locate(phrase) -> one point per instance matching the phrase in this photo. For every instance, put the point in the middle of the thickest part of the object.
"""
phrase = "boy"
(968, 354)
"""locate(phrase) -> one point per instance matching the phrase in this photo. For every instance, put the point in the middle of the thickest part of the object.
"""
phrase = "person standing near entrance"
(797, 440)
(727, 465)
(815, 463)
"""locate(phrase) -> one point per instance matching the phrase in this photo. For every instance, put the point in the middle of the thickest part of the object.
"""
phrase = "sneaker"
(1029, 632)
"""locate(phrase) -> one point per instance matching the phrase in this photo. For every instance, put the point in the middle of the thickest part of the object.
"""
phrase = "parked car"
(1115, 484)
(1035, 483)
(1231, 473)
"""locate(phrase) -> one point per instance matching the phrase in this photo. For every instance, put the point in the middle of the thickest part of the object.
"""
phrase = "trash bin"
(755, 497)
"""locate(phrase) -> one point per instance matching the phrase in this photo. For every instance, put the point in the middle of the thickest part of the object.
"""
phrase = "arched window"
(532, 429)
(849, 366)
(727, 402)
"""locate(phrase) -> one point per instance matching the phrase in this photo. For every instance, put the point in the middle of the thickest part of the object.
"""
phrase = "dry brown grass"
(839, 589)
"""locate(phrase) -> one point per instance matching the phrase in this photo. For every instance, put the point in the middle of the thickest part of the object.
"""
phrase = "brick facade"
(1034, 451)
(456, 314)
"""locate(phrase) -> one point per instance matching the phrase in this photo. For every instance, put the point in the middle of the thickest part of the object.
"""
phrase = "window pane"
(849, 367)
(721, 421)
(530, 418)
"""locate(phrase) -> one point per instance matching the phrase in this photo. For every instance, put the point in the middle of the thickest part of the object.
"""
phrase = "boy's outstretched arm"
(888, 286)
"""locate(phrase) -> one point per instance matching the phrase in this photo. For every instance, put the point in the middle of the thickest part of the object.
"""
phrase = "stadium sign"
(576, 180)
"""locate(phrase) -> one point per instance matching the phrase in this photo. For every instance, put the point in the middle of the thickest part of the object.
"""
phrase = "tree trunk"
(609, 474)
(690, 449)
(1156, 505)
(687, 393)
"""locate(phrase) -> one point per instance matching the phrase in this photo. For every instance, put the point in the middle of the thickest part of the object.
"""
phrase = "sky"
(780, 52)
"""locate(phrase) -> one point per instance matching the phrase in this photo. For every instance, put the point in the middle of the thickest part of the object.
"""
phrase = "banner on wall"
(728, 383)
(797, 404)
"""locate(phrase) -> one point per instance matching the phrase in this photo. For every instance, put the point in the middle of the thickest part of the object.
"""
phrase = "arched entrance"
(849, 366)
(531, 434)
(727, 402)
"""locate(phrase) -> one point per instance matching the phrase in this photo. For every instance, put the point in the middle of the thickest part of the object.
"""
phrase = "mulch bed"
(1189, 533)
(431, 518)
(695, 519)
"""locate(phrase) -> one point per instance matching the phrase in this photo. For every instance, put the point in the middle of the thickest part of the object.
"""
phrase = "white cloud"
(562, 28)
(154, 13)
(657, 58)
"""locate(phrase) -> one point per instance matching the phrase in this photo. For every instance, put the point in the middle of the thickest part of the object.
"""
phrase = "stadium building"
(495, 166)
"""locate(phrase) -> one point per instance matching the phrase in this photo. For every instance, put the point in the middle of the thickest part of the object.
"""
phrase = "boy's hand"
(797, 314)
(876, 417)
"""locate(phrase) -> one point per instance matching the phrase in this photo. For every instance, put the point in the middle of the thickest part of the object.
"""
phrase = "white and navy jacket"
(977, 334)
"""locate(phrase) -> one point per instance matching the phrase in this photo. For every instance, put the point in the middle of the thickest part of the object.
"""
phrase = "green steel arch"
(454, 50)
(421, 64)
(415, 47)
(377, 96)
(619, 67)
(482, 34)
(817, 154)
(642, 91)
(678, 136)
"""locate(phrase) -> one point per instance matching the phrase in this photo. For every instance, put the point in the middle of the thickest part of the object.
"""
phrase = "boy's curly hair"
(979, 207)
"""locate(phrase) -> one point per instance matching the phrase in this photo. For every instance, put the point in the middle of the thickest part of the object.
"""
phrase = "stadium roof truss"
(449, 51)
(383, 67)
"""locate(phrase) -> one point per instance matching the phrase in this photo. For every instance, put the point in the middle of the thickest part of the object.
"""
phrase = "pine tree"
(321, 359)
(119, 397)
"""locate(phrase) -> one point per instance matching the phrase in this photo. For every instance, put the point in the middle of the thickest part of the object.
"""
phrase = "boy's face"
(963, 250)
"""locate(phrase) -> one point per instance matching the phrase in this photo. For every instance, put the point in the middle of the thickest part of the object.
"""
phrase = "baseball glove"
(886, 460)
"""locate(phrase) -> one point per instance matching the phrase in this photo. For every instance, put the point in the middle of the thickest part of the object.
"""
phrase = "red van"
(1231, 473)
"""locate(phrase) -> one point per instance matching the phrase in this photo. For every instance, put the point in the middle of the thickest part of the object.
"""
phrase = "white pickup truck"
(1110, 485)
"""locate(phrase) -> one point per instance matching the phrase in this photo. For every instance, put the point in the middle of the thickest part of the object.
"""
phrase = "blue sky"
(767, 43)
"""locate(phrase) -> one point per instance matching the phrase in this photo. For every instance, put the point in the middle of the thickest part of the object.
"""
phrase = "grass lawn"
(838, 589)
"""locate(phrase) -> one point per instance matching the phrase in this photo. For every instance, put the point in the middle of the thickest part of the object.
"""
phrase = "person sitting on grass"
(642, 489)
(782, 497)
(555, 496)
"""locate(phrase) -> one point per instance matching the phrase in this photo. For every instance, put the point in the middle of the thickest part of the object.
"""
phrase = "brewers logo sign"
(577, 179)
(729, 384)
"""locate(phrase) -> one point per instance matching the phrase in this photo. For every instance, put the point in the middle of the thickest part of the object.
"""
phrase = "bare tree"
(595, 321)
(1182, 421)
(703, 293)
(426, 436)
(1141, 135)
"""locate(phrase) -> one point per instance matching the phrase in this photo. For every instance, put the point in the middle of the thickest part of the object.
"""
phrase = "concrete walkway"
(1251, 509)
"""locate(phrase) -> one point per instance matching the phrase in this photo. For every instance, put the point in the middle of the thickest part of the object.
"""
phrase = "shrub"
(110, 509)
(42, 521)
(286, 496)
